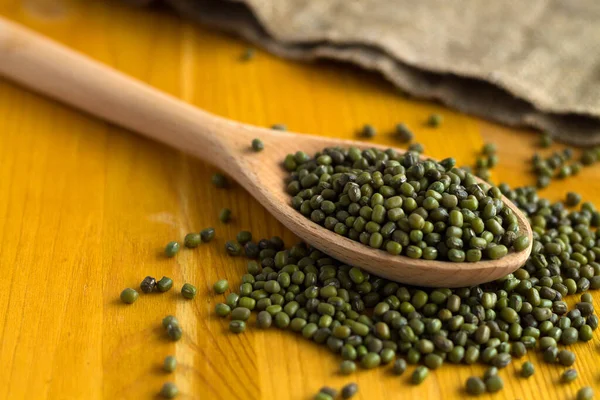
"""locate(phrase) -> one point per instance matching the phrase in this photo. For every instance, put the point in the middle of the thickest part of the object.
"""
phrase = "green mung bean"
(527, 369)
(221, 286)
(170, 363)
(347, 367)
(399, 366)
(188, 291)
(475, 386)
(279, 127)
(585, 393)
(349, 390)
(148, 284)
(171, 249)
(257, 145)
(403, 133)
(225, 215)
(169, 320)
(220, 180)
(164, 284)
(568, 376)
(248, 54)
(236, 326)
(434, 120)
(232, 248)
(206, 235)
(368, 131)
(370, 360)
(129, 296)
(222, 310)
(419, 374)
(494, 384)
(192, 240)
(545, 140)
(566, 358)
(174, 332)
(169, 390)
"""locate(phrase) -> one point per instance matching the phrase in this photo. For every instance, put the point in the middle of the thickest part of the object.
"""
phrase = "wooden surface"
(86, 208)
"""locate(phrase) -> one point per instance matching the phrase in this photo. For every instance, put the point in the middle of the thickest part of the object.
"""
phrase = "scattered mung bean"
(349, 390)
(164, 284)
(169, 364)
(225, 215)
(192, 240)
(257, 145)
(221, 286)
(148, 284)
(129, 296)
(220, 180)
(188, 291)
(475, 386)
(169, 390)
(171, 249)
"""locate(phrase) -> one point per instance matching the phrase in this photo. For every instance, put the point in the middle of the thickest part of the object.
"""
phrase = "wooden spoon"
(51, 69)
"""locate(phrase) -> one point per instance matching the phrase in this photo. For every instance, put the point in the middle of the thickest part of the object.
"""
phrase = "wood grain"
(87, 207)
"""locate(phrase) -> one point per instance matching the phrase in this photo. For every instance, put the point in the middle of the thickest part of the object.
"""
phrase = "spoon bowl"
(53, 70)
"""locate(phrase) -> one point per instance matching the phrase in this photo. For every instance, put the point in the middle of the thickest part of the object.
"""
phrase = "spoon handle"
(49, 68)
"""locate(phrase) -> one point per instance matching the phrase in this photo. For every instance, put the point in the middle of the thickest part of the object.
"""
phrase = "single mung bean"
(206, 235)
(164, 284)
(349, 390)
(148, 284)
(236, 326)
(232, 248)
(264, 320)
(572, 199)
(221, 286)
(225, 215)
(585, 393)
(174, 332)
(494, 384)
(568, 376)
(222, 310)
(527, 369)
(370, 360)
(419, 374)
(188, 291)
(171, 249)
(129, 296)
(192, 240)
(347, 367)
(244, 237)
(475, 386)
(434, 120)
(257, 145)
(399, 366)
(566, 357)
(170, 363)
(169, 320)
(169, 390)
(368, 131)
(545, 140)
(219, 180)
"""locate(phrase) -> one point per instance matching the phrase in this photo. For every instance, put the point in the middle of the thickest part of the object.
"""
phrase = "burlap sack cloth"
(519, 62)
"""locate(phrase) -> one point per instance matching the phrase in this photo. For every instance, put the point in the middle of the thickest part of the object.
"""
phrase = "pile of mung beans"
(370, 321)
(403, 205)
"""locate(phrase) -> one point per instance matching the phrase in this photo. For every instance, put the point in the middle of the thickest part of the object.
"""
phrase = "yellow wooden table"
(86, 208)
